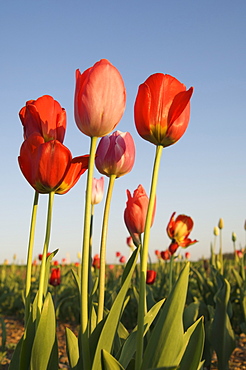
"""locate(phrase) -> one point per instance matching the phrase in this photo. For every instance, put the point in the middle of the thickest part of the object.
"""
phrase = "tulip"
(115, 154)
(100, 99)
(157, 253)
(55, 277)
(49, 166)
(178, 230)
(165, 255)
(187, 255)
(234, 237)
(162, 109)
(136, 211)
(151, 276)
(239, 253)
(118, 254)
(96, 261)
(221, 223)
(122, 259)
(97, 190)
(44, 116)
(216, 231)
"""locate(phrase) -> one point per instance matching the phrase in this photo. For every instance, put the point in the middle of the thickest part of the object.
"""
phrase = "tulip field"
(141, 313)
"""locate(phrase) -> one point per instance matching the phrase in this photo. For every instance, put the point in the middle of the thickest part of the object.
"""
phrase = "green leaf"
(129, 347)
(165, 345)
(45, 336)
(111, 323)
(47, 270)
(109, 362)
(77, 280)
(15, 361)
(194, 349)
(72, 348)
(223, 340)
(190, 314)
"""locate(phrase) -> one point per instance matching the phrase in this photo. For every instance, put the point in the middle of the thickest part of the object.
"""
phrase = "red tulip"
(162, 109)
(165, 255)
(118, 254)
(44, 116)
(96, 261)
(157, 253)
(122, 259)
(40, 256)
(178, 230)
(49, 166)
(97, 190)
(136, 212)
(115, 154)
(55, 277)
(187, 255)
(239, 253)
(100, 99)
(151, 276)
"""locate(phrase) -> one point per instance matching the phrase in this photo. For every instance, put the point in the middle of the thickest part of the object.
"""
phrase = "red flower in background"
(178, 230)
(49, 166)
(162, 109)
(40, 256)
(122, 259)
(118, 254)
(165, 255)
(55, 277)
(44, 116)
(96, 261)
(150, 277)
(100, 99)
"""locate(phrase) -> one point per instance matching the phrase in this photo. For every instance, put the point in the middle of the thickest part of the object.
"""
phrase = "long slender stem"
(171, 273)
(84, 349)
(45, 251)
(144, 258)
(30, 256)
(103, 248)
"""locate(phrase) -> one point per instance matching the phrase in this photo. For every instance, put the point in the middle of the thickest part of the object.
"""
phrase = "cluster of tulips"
(161, 113)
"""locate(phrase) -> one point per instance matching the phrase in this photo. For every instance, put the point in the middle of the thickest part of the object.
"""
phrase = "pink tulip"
(100, 99)
(115, 154)
(97, 190)
(136, 212)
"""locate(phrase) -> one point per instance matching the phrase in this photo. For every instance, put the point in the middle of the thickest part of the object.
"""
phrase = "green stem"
(103, 248)
(45, 251)
(144, 259)
(221, 254)
(171, 273)
(85, 263)
(30, 256)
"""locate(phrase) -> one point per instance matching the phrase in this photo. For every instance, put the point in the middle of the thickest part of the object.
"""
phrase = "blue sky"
(203, 175)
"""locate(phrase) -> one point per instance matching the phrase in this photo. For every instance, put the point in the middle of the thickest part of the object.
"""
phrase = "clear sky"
(201, 43)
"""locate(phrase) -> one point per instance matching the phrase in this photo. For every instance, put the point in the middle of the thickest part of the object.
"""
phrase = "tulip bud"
(221, 223)
(234, 237)
(151, 276)
(216, 231)
(115, 154)
(97, 190)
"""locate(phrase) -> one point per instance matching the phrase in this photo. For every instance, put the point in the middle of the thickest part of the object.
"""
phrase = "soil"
(14, 330)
